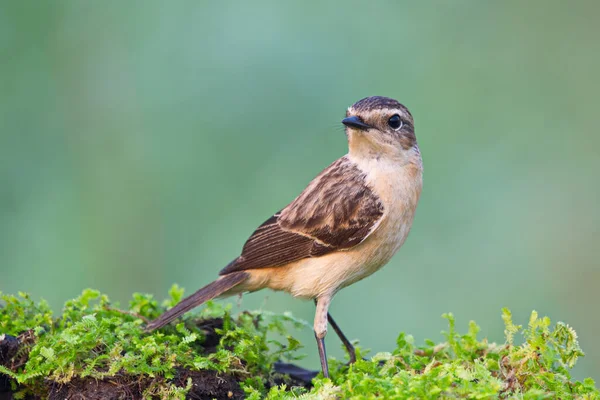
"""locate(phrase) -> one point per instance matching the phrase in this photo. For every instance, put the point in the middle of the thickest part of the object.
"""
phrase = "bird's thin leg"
(320, 327)
(347, 344)
(349, 347)
(322, 355)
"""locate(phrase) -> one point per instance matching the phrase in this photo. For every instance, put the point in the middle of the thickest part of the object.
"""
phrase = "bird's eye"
(395, 122)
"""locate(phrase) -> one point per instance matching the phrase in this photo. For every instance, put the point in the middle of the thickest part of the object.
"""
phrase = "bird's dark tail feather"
(208, 292)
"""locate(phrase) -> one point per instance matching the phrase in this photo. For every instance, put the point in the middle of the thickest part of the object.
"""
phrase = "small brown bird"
(346, 224)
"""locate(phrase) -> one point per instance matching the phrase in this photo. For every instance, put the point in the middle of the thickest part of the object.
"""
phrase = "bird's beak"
(356, 123)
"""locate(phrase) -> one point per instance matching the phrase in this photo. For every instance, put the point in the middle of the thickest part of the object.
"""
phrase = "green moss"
(94, 338)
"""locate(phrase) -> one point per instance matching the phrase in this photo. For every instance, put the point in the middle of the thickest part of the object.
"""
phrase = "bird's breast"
(399, 187)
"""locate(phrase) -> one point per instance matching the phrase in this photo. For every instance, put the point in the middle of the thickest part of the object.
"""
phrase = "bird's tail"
(208, 292)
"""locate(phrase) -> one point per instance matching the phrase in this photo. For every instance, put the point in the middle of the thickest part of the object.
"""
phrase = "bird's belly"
(378, 251)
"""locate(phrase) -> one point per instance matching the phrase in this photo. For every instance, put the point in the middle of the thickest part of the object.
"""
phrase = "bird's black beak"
(356, 123)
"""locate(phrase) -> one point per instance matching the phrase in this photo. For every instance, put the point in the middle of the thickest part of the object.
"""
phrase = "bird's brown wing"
(336, 211)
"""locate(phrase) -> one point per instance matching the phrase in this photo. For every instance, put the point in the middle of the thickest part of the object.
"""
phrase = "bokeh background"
(141, 143)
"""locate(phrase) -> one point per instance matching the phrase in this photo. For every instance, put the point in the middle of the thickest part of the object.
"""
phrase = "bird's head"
(379, 126)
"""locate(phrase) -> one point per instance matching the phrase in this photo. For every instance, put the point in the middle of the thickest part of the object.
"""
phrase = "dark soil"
(9, 346)
(8, 349)
(206, 384)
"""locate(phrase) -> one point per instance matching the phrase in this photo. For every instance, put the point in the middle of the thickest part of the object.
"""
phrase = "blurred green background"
(141, 143)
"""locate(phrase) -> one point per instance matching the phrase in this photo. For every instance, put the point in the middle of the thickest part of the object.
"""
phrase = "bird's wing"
(336, 211)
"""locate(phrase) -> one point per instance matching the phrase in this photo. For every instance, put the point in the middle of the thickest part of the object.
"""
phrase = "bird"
(344, 226)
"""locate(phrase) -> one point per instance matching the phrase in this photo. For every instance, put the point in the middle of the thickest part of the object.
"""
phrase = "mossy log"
(97, 350)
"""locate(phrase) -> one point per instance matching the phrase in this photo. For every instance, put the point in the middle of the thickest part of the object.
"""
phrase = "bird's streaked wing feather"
(336, 211)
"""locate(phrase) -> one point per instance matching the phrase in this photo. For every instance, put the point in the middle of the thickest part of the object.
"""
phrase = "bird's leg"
(320, 327)
(347, 344)
(349, 347)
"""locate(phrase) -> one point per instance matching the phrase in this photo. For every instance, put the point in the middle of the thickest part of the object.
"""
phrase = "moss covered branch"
(97, 350)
